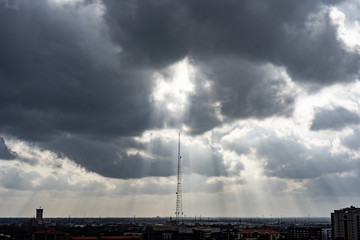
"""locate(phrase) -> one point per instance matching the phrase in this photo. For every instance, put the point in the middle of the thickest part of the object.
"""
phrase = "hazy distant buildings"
(346, 223)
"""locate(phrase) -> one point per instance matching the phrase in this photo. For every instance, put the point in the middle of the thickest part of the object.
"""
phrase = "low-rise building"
(258, 234)
(304, 232)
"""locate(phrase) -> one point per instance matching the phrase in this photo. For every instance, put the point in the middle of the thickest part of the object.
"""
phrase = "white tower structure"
(179, 211)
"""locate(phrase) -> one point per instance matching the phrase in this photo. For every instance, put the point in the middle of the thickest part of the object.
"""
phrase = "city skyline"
(93, 95)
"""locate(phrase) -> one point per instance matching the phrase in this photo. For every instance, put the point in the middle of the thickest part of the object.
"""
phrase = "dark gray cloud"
(201, 115)
(239, 146)
(61, 78)
(297, 35)
(352, 141)
(63, 185)
(53, 81)
(204, 160)
(234, 88)
(230, 40)
(5, 152)
(14, 178)
(285, 33)
(146, 31)
(110, 158)
(245, 90)
(78, 84)
(156, 157)
(289, 157)
(333, 119)
(333, 186)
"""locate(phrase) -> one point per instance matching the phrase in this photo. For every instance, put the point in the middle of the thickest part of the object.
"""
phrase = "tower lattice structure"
(179, 211)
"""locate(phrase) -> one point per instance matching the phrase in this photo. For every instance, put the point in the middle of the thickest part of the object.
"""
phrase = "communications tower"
(179, 211)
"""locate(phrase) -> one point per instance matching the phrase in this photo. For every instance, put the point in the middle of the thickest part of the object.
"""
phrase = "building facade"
(258, 234)
(304, 232)
(346, 223)
(39, 216)
(326, 233)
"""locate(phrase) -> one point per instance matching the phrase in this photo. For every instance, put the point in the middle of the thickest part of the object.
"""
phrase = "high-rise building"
(39, 216)
(346, 223)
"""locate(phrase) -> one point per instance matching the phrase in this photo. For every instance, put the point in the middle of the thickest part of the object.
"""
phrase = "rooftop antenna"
(179, 211)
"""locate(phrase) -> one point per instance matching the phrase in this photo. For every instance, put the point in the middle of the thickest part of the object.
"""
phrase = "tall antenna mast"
(179, 212)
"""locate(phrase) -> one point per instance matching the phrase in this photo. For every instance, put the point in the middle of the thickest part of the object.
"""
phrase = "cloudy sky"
(93, 95)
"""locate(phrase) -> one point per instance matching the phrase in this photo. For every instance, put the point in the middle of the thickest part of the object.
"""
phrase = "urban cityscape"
(179, 119)
(342, 225)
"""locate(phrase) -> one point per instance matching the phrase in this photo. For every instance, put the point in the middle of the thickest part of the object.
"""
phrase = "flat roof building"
(39, 216)
(346, 223)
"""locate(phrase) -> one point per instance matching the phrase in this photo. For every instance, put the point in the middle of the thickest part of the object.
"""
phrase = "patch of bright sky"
(173, 87)
(348, 25)
(91, 12)
(165, 134)
(61, 2)
(345, 95)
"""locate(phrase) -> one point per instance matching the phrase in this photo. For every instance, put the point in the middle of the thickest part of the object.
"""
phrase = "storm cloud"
(5, 152)
(60, 76)
(352, 141)
(97, 85)
(297, 35)
(334, 119)
(291, 159)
